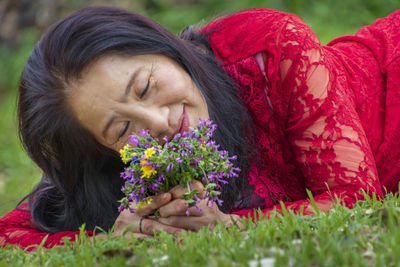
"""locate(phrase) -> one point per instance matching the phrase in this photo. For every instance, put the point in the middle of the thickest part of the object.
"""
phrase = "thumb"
(156, 202)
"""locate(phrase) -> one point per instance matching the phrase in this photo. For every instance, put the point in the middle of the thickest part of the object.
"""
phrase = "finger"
(199, 187)
(156, 203)
(128, 235)
(178, 190)
(184, 222)
(131, 236)
(150, 227)
(178, 207)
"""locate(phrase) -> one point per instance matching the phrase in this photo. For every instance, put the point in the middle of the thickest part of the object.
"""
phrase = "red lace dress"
(326, 117)
(16, 228)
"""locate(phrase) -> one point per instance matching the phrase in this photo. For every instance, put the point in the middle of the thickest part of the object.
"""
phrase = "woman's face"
(118, 95)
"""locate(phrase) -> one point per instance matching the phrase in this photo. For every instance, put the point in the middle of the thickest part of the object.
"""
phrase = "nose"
(154, 119)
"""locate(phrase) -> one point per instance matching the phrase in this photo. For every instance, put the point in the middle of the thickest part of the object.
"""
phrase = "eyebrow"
(123, 99)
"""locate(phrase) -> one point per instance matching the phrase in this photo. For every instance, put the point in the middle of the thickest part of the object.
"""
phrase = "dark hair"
(80, 182)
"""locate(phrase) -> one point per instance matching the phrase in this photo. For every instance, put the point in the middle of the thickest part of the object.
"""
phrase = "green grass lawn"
(367, 235)
(18, 174)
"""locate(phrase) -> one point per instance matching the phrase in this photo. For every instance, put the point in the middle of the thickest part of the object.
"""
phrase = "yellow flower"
(149, 152)
(147, 170)
(125, 155)
(141, 204)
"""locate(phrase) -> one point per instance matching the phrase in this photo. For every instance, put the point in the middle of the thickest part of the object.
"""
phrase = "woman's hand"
(174, 212)
(140, 224)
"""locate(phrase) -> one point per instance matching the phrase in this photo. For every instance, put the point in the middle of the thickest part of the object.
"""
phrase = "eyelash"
(141, 96)
(145, 89)
(125, 129)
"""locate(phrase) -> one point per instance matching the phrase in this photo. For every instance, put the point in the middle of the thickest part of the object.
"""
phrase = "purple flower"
(154, 187)
(194, 151)
(144, 133)
(219, 201)
(198, 209)
(170, 167)
(134, 160)
(134, 140)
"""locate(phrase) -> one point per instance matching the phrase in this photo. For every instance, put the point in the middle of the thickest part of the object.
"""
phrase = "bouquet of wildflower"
(187, 157)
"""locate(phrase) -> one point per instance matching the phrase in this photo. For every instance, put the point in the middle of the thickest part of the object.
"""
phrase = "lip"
(183, 122)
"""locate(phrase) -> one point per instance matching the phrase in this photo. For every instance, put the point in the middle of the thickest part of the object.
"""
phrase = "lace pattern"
(312, 105)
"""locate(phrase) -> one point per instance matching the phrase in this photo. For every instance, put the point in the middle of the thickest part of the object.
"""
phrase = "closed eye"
(145, 89)
(125, 129)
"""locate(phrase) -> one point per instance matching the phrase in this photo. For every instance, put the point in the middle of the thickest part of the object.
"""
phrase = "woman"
(298, 114)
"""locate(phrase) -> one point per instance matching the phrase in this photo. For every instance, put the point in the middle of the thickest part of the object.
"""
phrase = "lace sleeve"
(16, 228)
(321, 123)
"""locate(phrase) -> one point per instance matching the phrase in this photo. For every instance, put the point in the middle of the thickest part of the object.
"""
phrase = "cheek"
(171, 91)
(197, 98)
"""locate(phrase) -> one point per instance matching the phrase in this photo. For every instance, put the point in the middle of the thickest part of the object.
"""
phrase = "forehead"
(102, 77)
(100, 87)
(109, 69)
(111, 66)
(106, 74)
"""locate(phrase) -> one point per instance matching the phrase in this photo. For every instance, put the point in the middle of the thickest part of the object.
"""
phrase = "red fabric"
(16, 228)
(324, 115)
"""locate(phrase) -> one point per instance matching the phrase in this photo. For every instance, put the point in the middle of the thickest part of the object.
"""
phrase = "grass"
(367, 235)
(18, 174)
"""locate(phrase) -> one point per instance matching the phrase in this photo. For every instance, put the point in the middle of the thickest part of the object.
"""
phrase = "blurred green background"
(23, 21)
